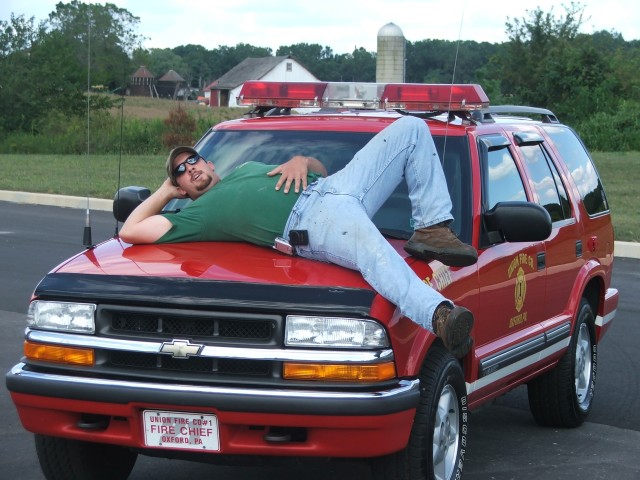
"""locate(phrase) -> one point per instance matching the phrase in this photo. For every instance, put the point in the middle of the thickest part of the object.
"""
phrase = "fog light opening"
(89, 421)
(286, 435)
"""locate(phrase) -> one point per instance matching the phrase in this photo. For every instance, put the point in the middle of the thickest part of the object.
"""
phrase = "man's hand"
(169, 190)
(295, 171)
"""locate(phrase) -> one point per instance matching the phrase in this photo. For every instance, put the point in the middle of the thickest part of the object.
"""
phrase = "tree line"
(589, 80)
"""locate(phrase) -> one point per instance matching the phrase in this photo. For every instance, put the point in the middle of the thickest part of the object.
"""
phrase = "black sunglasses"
(182, 167)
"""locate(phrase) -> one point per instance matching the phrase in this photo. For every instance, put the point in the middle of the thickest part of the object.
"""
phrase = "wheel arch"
(411, 347)
(589, 284)
(594, 293)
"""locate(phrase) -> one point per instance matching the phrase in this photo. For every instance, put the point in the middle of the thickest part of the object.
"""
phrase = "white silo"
(390, 61)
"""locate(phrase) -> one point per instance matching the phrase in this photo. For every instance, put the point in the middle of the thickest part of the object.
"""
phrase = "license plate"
(179, 430)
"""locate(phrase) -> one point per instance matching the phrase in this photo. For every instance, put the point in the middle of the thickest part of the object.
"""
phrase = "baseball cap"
(172, 156)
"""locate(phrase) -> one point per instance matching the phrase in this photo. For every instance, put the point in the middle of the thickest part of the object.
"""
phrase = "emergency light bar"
(282, 94)
(352, 95)
(380, 96)
(417, 96)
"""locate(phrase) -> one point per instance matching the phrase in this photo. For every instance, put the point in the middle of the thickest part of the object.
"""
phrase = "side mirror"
(518, 222)
(127, 199)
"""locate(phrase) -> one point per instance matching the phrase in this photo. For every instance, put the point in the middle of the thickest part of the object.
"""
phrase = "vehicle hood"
(213, 261)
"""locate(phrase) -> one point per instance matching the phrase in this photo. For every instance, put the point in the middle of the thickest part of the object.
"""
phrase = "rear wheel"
(438, 438)
(563, 396)
(64, 459)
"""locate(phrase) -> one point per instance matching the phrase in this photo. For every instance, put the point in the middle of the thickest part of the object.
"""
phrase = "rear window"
(227, 149)
(581, 167)
(546, 181)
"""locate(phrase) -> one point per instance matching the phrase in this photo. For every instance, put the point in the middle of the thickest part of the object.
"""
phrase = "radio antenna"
(117, 203)
(86, 241)
(453, 78)
(455, 59)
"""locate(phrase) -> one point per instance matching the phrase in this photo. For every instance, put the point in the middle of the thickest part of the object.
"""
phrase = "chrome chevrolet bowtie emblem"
(181, 348)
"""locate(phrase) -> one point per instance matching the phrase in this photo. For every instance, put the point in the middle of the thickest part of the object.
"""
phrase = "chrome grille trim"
(274, 354)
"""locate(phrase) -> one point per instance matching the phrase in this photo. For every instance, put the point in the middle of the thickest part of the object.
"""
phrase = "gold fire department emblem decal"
(516, 270)
(521, 289)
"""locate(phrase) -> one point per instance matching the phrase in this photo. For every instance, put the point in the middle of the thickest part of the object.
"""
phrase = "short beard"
(203, 186)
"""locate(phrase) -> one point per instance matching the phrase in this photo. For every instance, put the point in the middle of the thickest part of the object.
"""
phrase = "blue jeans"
(337, 210)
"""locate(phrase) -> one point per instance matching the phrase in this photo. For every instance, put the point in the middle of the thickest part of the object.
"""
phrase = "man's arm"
(145, 225)
(295, 171)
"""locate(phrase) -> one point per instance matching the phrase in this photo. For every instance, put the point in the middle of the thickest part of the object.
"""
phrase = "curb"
(56, 200)
(621, 249)
(626, 249)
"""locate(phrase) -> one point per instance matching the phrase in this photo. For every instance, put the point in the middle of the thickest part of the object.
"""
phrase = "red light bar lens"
(409, 96)
(427, 97)
(282, 94)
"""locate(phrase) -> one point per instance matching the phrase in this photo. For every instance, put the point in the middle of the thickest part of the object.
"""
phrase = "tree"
(625, 59)
(39, 76)
(18, 35)
(533, 44)
(18, 102)
(225, 58)
(306, 53)
(195, 58)
(580, 80)
(105, 34)
(363, 66)
(48, 68)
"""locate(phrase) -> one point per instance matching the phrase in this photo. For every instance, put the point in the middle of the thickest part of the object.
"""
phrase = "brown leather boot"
(453, 327)
(438, 242)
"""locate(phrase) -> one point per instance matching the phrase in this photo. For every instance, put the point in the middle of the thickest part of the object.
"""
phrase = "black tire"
(563, 397)
(64, 459)
(438, 439)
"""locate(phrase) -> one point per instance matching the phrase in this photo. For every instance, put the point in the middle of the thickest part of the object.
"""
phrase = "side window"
(501, 179)
(546, 181)
(581, 167)
(454, 155)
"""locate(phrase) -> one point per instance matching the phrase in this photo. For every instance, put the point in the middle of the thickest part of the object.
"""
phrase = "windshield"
(227, 149)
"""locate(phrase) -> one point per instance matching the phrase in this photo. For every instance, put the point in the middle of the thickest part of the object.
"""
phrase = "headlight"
(332, 332)
(66, 316)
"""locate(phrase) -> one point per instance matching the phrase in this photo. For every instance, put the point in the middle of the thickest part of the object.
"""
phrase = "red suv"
(227, 349)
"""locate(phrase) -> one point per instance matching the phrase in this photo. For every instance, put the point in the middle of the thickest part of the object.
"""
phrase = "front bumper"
(336, 424)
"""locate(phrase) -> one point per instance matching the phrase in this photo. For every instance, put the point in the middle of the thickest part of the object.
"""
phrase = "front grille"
(238, 367)
(190, 326)
(204, 327)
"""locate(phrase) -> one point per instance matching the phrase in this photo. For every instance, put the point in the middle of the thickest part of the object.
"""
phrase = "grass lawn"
(80, 175)
(97, 176)
(620, 172)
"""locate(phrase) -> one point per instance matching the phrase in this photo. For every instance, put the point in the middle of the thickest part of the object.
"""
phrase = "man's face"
(194, 178)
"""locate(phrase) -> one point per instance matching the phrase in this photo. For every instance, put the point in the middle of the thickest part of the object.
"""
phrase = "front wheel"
(65, 459)
(438, 439)
(563, 397)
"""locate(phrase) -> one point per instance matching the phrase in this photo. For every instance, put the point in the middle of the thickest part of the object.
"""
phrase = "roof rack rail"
(475, 116)
(268, 111)
(547, 116)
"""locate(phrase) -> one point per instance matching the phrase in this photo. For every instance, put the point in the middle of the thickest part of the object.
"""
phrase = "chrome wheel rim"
(446, 434)
(583, 368)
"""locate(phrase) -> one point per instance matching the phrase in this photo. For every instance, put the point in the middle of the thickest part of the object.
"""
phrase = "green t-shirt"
(243, 206)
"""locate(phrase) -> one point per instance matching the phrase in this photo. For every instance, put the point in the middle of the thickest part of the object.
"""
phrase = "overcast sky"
(341, 25)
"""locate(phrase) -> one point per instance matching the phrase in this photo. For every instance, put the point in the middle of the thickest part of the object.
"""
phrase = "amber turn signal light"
(54, 353)
(340, 372)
